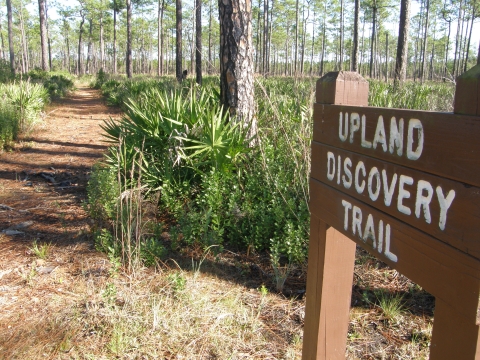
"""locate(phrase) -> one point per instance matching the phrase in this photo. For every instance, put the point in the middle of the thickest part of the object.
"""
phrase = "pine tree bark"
(236, 62)
(89, 66)
(10, 35)
(296, 39)
(80, 45)
(43, 35)
(372, 42)
(49, 40)
(102, 45)
(265, 37)
(469, 39)
(355, 36)
(161, 4)
(457, 41)
(114, 60)
(210, 67)
(128, 60)
(24, 41)
(178, 50)
(402, 45)
(198, 41)
(341, 36)
(425, 39)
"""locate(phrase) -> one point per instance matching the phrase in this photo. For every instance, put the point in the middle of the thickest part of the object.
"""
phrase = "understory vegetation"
(23, 100)
(175, 155)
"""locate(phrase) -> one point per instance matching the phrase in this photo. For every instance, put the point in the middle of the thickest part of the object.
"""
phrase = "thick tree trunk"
(43, 35)
(178, 50)
(10, 35)
(354, 66)
(198, 41)
(402, 45)
(236, 61)
(128, 60)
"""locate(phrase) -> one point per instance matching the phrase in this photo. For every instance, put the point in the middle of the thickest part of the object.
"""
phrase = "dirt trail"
(44, 179)
(42, 186)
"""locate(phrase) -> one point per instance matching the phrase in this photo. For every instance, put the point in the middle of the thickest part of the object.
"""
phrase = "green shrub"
(9, 122)
(102, 193)
(21, 109)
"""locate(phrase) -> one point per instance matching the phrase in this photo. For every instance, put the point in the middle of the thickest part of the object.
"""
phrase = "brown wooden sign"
(404, 185)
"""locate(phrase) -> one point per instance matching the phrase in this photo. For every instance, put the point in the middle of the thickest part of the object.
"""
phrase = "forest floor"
(61, 299)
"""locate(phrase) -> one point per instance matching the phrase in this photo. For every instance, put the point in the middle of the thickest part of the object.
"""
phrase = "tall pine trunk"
(372, 42)
(43, 35)
(210, 59)
(80, 45)
(128, 59)
(10, 35)
(469, 39)
(178, 50)
(161, 4)
(102, 45)
(236, 62)
(114, 40)
(354, 66)
(296, 39)
(198, 41)
(425, 39)
(402, 45)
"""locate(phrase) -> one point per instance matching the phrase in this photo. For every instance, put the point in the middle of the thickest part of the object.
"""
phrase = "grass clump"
(41, 250)
(432, 96)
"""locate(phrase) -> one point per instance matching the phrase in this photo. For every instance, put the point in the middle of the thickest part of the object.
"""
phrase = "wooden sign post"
(405, 186)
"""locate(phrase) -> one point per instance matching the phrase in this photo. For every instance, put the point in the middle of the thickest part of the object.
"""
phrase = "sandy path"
(44, 179)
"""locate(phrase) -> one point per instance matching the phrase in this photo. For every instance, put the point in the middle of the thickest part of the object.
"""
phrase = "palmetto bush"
(217, 188)
(21, 108)
(181, 136)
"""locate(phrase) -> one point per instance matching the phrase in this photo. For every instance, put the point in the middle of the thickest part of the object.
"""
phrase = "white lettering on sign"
(380, 240)
(348, 125)
(378, 182)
